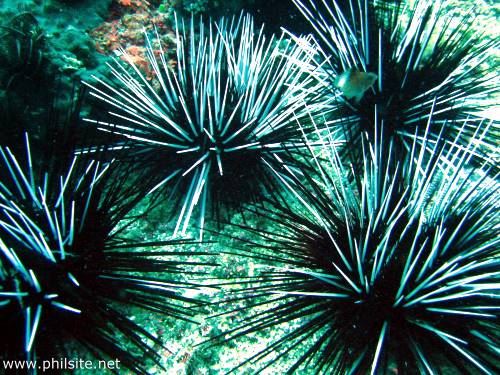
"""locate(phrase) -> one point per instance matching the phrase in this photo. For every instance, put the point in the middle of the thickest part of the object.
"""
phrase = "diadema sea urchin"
(208, 126)
(396, 63)
(392, 270)
(67, 277)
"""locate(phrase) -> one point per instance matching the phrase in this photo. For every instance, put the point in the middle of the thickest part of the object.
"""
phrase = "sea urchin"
(210, 120)
(393, 270)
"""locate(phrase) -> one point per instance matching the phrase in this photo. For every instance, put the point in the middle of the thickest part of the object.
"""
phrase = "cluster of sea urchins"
(386, 259)
(361, 147)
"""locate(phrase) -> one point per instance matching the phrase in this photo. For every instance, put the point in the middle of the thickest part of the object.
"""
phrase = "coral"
(125, 30)
(125, 27)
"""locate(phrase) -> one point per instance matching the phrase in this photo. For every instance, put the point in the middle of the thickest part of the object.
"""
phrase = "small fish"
(354, 83)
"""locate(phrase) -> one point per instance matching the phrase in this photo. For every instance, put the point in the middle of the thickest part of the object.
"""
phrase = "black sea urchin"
(209, 125)
(66, 275)
(390, 62)
(394, 270)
